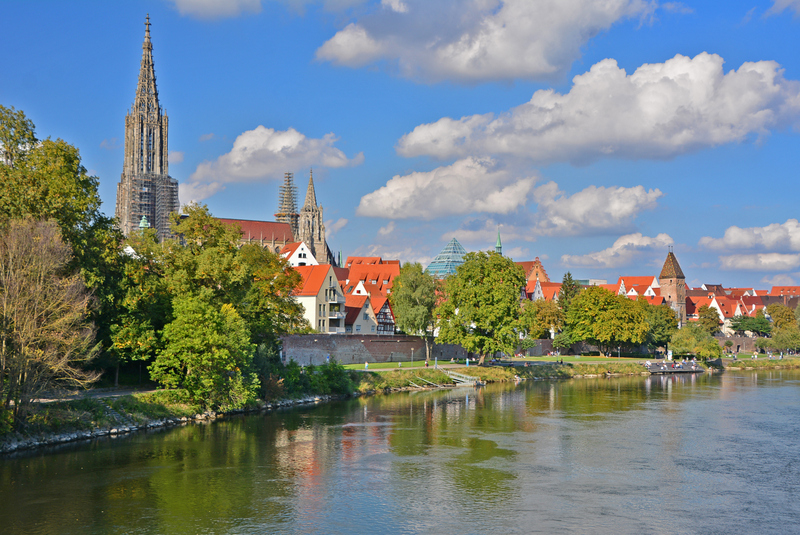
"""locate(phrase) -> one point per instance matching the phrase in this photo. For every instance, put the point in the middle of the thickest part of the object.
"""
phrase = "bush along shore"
(61, 422)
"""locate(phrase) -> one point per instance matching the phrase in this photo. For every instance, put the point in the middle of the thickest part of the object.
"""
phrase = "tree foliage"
(569, 290)
(606, 320)
(758, 325)
(540, 318)
(413, 300)
(481, 305)
(46, 332)
(782, 316)
(708, 319)
(693, 339)
(661, 324)
(207, 351)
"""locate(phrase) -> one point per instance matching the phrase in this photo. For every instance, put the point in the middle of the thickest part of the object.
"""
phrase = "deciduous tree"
(708, 319)
(46, 332)
(606, 320)
(540, 318)
(692, 339)
(481, 304)
(413, 300)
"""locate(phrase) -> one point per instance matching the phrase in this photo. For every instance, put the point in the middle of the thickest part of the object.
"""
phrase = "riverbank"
(92, 417)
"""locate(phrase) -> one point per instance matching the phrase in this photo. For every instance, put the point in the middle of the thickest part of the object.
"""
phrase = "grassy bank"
(763, 363)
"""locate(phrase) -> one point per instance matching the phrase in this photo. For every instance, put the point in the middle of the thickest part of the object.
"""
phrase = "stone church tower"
(146, 190)
(673, 286)
(311, 230)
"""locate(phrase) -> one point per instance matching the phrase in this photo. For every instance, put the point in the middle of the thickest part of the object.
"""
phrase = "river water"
(698, 454)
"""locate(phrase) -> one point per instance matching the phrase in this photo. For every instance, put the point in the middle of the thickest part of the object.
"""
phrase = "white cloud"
(478, 40)
(468, 185)
(774, 237)
(265, 153)
(590, 210)
(207, 137)
(189, 192)
(760, 262)
(779, 280)
(518, 253)
(388, 229)
(176, 156)
(393, 252)
(332, 227)
(778, 6)
(624, 251)
(660, 111)
(216, 9)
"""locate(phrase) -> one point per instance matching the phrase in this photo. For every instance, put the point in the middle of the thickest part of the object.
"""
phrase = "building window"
(358, 328)
(372, 328)
(366, 316)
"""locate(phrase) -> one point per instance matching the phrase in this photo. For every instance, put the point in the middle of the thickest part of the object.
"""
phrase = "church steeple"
(498, 247)
(311, 195)
(145, 188)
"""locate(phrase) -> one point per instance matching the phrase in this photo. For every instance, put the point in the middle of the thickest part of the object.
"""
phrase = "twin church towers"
(146, 194)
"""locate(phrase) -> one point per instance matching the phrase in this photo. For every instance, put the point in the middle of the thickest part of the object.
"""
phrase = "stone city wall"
(306, 349)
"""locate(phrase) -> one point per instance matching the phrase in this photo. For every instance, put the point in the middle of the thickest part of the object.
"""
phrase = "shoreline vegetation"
(60, 422)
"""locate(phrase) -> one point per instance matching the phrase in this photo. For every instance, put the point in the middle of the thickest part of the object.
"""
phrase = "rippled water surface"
(711, 454)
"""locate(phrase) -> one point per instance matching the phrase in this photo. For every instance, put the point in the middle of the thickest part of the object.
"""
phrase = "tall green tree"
(708, 319)
(606, 320)
(413, 300)
(207, 352)
(569, 290)
(481, 305)
(661, 324)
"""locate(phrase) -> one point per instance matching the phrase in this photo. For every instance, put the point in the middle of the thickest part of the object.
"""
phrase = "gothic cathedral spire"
(312, 229)
(145, 188)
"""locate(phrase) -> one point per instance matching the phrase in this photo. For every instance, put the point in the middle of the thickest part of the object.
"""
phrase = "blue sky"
(591, 134)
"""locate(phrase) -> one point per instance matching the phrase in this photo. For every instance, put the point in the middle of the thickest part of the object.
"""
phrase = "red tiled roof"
(356, 260)
(381, 275)
(262, 230)
(313, 278)
(289, 249)
(785, 290)
(353, 305)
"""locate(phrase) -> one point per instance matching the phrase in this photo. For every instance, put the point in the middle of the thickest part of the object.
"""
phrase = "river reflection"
(689, 454)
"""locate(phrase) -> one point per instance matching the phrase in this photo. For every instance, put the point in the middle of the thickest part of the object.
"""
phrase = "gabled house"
(383, 314)
(543, 290)
(360, 318)
(298, 254)
(322, 298)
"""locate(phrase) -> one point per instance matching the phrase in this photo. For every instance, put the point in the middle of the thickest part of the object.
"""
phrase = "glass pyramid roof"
(448, 260)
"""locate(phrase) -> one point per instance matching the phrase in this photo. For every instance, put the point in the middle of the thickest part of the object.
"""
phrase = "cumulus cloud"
(477, 40)
(778, 6)
(332, 227)
(468, 185)
(779, 280)
(624, 251)
(216, 9)
(265, 153)
(590, 210)
(660, 111)
(189, 192)
(176, 156)
(774, 237)
(760, 262)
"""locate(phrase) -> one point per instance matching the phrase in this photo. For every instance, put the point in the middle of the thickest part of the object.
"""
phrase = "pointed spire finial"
(311, 195)
(498, 247)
